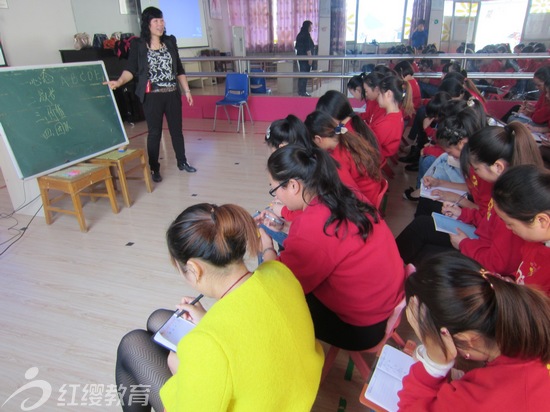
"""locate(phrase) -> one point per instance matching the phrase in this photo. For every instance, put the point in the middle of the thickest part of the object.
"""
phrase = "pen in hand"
(181, 312)
(462, 196)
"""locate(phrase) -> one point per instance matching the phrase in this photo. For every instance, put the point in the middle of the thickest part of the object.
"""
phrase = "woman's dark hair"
(337, 105)
(365, 156)
(401, 91)
(147, 15)
(385, 70)
(455, 88)
(305, 26)
(404, 68)
(357, 82)
(433, 108)
(220, 235)
(451, 130)
(373, 79)
(456, 293)
(543, 73)
(451, 67)
(513, 143)
(469, 85)
(317, 172)
(289, 130)
(523, 191)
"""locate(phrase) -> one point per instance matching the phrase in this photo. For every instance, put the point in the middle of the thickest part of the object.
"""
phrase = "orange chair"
(356, 356)
(381, 200)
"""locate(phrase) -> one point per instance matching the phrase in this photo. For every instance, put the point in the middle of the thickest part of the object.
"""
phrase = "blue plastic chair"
(236, 95)
(258, 84)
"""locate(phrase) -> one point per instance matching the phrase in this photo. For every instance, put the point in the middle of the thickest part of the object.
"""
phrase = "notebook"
(427, 192)
(447, 224)
(172, 331)
(387, 378)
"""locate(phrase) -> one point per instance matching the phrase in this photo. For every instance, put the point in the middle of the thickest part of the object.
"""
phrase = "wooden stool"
(72, 181)
(119, 161)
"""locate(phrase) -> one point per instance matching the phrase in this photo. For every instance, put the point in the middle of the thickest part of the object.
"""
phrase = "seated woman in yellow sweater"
(254, 350)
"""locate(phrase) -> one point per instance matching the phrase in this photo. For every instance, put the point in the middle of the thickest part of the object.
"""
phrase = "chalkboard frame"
(107, 98)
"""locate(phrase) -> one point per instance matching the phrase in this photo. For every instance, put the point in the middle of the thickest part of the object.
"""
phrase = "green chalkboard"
(54, 116)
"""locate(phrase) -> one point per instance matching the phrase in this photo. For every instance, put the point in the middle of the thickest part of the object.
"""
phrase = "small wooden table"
(119, 161)
(72, 181)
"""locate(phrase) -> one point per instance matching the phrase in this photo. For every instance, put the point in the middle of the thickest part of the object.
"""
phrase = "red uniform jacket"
(388, 130)
(535, 266)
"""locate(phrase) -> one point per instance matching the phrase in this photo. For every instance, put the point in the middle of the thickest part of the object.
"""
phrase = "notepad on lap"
(387, 379)
(427, 192)
(172, 331)
(447, 224)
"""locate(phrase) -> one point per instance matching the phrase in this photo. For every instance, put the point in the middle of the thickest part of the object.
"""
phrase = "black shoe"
(407, 194)
(412, 157)
(156, 177)
(187, 167)
(306, 94)
(413, 167)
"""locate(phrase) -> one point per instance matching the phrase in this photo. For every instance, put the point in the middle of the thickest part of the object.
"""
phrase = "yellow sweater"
(255, 350)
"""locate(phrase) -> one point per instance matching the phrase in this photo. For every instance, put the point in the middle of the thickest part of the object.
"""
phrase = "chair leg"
(239, 115)
(360, 364)
(227, 114)
(215, 115)
(249, 115)
(329, 361)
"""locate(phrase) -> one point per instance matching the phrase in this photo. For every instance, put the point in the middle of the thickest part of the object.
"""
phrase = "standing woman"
(254, 350)
(155, 61)
(458, 308)
(388, 128)
(344, 256)
(304, 47)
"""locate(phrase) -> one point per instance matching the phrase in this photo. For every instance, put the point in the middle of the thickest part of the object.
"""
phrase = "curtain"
(421, 11)
(255, 17)
(290, 16)
(338, 27)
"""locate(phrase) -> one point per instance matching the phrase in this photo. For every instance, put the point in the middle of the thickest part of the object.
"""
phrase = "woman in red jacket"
(490, 151)
(389, 127)
(456, 307)
(340, 250)
(522, 201)
(358, 160)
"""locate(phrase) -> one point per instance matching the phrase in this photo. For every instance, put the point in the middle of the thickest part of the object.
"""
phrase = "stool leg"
(123, 184)
(112, 194)
(146, 174)
(46, 203)
(79, 212)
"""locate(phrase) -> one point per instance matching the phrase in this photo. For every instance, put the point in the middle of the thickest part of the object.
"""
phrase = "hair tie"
(485, 275)
(470, 102)
(340, 129)
(268, 132)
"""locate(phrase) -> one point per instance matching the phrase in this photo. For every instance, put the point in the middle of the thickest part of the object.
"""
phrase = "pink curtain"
(290, 16)
(255, 17)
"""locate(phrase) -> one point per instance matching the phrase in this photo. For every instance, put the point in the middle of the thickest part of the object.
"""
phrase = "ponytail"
(455, 292)
(317, 172)
(407, 105)
(365, 156)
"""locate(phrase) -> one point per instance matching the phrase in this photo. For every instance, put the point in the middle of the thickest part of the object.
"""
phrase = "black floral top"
(160, 68)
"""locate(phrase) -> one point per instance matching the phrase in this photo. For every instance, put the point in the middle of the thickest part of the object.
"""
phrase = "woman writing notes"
(254, 350)
(155, 62)
(340, 250)
(457, 308)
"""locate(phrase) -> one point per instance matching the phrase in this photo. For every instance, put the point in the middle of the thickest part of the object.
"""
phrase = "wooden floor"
(68, 297)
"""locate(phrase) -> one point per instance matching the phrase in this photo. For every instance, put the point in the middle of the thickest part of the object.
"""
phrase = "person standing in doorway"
(155, 62)
(420, 36)
(304, 47)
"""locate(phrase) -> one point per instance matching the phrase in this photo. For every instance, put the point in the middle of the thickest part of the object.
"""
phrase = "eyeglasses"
(272, 191)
